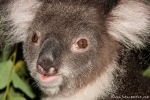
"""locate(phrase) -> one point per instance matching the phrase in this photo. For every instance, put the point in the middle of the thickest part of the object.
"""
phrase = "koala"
(80, 49)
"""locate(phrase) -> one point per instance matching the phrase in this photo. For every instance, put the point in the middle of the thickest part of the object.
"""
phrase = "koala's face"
(67, 47)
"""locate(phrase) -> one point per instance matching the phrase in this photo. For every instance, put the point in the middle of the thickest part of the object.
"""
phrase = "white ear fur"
(22, 13)
(129, 23)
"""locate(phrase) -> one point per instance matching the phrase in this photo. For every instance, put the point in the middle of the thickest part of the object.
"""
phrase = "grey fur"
(103, 70)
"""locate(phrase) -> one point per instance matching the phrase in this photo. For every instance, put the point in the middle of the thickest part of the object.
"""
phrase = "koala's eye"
(82, 43)
(35, 38)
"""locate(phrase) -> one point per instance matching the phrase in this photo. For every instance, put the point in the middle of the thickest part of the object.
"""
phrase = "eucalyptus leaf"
(20, 84)
(1, 57)
(23, 72)
(147, 72)
(13, 92)
(18, 65)
(17, 98)
(6, 53)
(5, 69)
(2, 64)
(1, 96)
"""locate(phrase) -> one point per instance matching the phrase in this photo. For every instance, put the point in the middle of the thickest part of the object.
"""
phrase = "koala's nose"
(45, 64)
(52, 71)
(49, 55)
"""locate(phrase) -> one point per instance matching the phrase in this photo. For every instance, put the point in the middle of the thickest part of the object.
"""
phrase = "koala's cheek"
(32, 68)
(72, 70)
(65, 70)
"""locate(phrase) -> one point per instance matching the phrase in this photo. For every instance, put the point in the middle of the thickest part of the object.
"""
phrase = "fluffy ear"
(129, 23)
(16, 16)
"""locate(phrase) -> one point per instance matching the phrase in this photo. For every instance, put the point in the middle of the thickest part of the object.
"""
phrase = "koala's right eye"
(35, 38)
(82, 44)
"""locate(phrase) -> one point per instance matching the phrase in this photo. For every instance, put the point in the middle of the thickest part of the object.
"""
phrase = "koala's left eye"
(35, 38)
(82, 43)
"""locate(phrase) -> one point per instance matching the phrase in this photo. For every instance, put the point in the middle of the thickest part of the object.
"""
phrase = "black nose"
(49, 54)
(46, 64)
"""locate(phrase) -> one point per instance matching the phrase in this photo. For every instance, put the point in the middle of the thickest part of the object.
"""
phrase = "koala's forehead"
(60, 17)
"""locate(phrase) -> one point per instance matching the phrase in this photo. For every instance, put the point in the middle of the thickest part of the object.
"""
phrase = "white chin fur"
(100, 88)
(51, 91)
(128, 23)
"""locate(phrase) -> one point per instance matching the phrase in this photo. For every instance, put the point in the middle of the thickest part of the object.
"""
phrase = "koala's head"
(69, 44)
(67, 47)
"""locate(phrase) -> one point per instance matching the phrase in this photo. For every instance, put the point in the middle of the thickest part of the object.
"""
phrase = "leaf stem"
(13, 57)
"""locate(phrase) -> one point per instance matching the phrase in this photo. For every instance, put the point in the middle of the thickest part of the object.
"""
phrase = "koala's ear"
(16, 17)
(22, 12)
(129, 22)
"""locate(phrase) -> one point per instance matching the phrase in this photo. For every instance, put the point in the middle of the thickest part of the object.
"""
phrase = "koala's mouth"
(49, 76)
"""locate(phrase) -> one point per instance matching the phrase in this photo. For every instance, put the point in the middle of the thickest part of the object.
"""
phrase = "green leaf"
(20, 84)
(1, 96)
(6, 53)
(18, 65)
(18, 98)
(2, 64)
(13, 92)
(13, 95)
(0, 57)
(5, 69)
(23, 72)
(147, 72)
